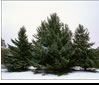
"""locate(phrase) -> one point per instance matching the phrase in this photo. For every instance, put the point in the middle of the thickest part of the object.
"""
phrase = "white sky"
(16, 14)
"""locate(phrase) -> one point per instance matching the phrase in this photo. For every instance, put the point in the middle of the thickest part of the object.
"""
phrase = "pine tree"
(53, 47)
(20, 54)
(83, 56)
(96, 54)
(3, 50)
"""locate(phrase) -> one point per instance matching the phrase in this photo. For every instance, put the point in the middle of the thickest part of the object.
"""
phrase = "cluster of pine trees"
(55, 48)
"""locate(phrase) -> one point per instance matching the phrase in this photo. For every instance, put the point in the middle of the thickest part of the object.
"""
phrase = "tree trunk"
(85, 69)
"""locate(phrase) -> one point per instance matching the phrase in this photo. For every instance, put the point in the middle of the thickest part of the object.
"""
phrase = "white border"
(41, 81)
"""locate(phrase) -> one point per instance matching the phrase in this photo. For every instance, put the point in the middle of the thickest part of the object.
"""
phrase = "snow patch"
(29, 75)
(31, 68)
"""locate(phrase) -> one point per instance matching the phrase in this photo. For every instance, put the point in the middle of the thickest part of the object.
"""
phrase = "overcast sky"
(16, 14)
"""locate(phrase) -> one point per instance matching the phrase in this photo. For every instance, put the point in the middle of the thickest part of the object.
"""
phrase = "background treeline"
(53, 49)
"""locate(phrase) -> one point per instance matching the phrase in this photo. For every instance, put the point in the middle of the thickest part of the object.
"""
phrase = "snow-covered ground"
(30, 75)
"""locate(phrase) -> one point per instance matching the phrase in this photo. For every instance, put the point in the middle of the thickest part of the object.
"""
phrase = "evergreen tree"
(83, 55)
(53, 47)
(3, 50)
(20, 54)
(96, 54)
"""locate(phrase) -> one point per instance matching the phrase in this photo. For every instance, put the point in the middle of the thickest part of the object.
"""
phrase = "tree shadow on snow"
(58, 73)
(44, 72)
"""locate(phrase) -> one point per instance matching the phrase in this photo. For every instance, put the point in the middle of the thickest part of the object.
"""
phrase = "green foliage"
(3, 50)
(17, 58)
(3, 53)
(53, 50)
(83, 55)
(96, 54)
(53, 47)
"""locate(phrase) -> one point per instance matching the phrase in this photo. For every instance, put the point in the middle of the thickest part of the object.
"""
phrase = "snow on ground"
(29, 75)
